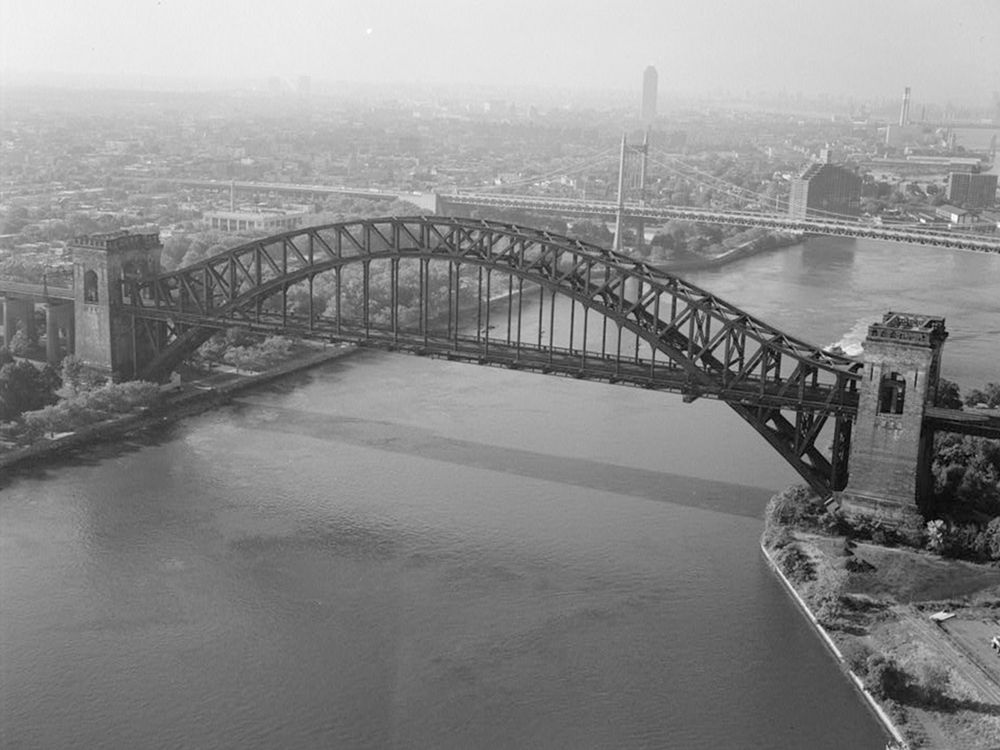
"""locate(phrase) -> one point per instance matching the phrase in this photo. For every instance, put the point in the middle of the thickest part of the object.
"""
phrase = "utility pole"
(620, 216)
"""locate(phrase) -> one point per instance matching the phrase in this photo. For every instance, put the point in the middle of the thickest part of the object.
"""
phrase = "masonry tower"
(106, 336)
(890, 447)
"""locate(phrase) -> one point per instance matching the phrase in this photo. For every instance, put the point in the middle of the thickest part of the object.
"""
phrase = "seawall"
(873, 704)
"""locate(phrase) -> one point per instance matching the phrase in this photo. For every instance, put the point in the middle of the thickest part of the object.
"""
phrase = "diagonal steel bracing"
(487, 292)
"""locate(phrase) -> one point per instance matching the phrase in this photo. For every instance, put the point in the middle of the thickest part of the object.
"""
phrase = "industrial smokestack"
(904, 111)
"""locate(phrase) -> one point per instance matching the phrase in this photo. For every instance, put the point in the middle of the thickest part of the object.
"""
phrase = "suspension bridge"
(634, 203)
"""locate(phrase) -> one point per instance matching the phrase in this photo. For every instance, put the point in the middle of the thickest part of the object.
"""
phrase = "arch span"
(506, 295)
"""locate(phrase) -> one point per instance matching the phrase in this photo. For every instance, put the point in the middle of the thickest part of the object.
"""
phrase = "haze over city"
(315, 325)
(946, 52)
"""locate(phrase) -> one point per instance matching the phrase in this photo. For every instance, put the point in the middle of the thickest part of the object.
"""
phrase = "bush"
(865, 527)
(828, 609)
(777, 537)
(965, 541)
(856, 656)
(796, 565)
(795, 507)
(854, 565)
(834, 523)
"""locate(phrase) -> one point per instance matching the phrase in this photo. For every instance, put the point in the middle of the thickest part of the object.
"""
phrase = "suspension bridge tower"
(631, 176)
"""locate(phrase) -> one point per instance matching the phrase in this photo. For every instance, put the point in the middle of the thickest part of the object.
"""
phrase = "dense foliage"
(798, 507)
(89, 406)
(966, 472)
(24, 387)
(243, 349)
(989, 397)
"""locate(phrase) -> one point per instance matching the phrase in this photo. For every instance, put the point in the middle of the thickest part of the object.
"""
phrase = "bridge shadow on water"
(689, 491)
(707, 494)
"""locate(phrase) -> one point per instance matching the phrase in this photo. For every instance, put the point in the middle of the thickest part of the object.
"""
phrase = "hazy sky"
(943, 49)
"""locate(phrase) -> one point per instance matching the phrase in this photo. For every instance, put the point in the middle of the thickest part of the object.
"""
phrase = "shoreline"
(172, 409)
(697, 262)
(911, 629)
(835, 651)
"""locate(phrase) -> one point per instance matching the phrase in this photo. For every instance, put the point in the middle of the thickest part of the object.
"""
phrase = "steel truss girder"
(722, 351)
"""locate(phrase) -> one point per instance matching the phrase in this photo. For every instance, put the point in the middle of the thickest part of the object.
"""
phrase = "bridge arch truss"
(500, 294)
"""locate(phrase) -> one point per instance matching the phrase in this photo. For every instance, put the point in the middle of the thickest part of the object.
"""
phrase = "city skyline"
(712, 46)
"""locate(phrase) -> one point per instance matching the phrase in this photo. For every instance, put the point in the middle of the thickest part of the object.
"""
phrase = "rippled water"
(398, 552)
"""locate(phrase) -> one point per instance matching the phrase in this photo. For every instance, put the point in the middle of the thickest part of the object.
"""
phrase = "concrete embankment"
(877, 709)
(174, 407)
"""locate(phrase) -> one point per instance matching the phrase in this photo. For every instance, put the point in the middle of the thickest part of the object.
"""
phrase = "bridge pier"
(58, 325)
(17, 311)
(891, 448)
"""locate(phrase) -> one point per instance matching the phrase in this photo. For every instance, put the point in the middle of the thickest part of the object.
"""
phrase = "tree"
(87, 407)
(948, 395)
(75, 377)
(884, 678)
(988, 397)
(966, 473)
(24, 388)
(593, 232)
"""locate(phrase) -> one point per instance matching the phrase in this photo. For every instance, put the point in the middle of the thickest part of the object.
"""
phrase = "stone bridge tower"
(891, 448)
(106, 339)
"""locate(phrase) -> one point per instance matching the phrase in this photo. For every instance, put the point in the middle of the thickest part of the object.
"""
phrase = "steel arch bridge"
(488, 292)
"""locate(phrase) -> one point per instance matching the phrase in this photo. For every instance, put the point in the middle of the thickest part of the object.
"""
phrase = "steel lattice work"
(489, 292)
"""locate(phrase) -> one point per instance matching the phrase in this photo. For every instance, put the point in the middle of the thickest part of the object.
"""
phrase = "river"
(396, 552)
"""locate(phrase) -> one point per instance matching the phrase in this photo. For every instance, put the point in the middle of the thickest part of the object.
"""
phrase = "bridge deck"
(36, 292)
(814, 225)
(983, 423)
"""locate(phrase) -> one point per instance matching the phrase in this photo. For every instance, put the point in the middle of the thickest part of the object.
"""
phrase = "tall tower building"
(904, 110)
(825, 189)
(972, 190)
(649, 81)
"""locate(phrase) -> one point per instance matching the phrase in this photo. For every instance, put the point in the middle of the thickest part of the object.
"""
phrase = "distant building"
(238, 221)
(825, 189)
(904, 110)
(955, 216)
(923, 165)
(972, 190)
(649, 83)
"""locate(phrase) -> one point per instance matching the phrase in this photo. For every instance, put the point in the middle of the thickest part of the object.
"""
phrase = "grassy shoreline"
(932, 684)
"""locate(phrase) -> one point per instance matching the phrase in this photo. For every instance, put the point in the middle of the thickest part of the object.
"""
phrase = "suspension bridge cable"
(562, 171)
